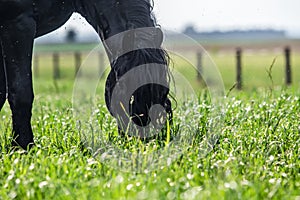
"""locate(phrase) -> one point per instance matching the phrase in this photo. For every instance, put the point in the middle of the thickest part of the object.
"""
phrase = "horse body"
(21, 21)
(50, 15)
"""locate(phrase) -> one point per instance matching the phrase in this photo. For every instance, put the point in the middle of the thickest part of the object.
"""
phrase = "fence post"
(288, 69)
(239, 68)
(56, 72)
(199, 66)
(36, 65)
(77, 56)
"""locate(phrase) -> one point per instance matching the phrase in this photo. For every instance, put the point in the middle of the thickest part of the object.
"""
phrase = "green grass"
(256, 156)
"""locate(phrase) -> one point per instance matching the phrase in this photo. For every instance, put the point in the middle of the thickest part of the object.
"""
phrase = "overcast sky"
(229, 14)
(208, 15)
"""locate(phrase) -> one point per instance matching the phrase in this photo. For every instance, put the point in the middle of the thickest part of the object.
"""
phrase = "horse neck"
(111, 17)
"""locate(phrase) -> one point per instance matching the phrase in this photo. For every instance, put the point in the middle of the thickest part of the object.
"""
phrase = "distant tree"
(71, 36)
(190, 30)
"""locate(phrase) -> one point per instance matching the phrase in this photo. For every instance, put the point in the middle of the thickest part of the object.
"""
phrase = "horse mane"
(140, 13)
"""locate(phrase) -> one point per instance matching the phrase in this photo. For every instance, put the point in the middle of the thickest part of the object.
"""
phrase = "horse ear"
(159, 37)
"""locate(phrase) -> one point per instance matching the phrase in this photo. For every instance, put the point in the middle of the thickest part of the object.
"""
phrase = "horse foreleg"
(2, 80)
(17, 42)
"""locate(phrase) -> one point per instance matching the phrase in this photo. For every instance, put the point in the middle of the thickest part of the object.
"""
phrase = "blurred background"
(254, 43)
(192, 16)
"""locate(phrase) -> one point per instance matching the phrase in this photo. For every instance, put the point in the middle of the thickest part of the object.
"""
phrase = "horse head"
(137, 86)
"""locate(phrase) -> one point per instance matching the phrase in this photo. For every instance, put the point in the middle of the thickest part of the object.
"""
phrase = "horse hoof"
(26, 147)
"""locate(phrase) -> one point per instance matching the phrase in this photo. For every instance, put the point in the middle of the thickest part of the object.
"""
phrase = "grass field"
(256, 155)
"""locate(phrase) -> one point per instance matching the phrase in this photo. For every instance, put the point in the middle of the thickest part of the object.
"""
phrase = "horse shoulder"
(11, 9)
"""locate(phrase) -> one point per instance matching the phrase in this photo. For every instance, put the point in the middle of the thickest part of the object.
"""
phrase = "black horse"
(23, 21)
